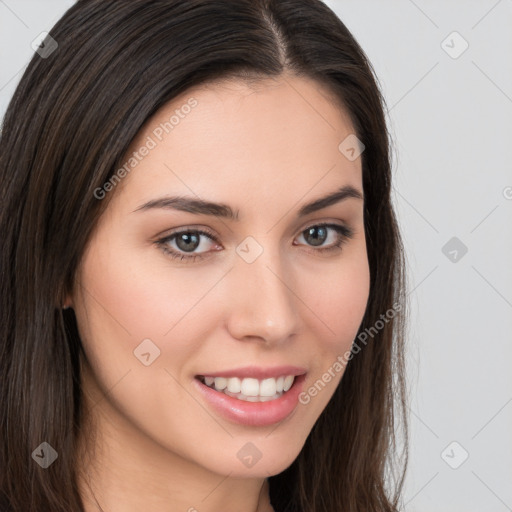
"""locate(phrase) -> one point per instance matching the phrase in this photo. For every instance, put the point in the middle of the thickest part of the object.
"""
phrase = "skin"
(265, 149)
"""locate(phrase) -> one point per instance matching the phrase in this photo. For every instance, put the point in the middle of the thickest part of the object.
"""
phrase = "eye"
(317, 234)
(182, 244)
(187, 241)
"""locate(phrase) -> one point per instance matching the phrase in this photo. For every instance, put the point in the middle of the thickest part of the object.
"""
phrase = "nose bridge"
(264, 304)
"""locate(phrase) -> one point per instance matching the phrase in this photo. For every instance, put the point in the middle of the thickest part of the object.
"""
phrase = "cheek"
(338, 300)
(129, 296)
(346, 305)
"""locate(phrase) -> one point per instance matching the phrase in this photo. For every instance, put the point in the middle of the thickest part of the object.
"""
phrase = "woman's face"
(170, 291)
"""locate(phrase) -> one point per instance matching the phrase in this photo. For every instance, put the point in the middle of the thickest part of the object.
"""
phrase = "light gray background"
(451, 120)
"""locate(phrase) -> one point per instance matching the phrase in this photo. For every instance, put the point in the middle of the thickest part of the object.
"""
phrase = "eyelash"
(344, 234)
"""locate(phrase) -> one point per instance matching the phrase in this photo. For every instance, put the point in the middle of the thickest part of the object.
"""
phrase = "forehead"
(275, 137)
(282, 100)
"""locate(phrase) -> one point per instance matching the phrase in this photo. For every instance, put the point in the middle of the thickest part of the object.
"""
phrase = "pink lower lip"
(257, 414)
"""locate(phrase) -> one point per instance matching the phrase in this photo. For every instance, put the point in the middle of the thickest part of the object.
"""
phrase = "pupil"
(318, 239)
(191, 241)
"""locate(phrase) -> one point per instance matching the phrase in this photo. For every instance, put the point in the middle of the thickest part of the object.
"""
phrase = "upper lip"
(257, 372)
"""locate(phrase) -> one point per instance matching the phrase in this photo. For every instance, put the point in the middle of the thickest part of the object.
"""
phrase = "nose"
(264, 302)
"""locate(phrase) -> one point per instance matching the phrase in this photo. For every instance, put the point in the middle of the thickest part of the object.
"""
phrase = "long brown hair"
(66, 129)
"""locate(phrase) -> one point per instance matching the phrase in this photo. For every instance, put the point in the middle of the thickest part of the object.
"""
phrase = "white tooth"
(268, 387)
(241, 396)
(279, 384)
(220, 383)
(267, 398)
(234, 385)
(250, 387)
(209, 380)
(288, 381)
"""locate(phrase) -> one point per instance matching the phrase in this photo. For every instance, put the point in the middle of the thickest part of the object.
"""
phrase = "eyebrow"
(202, 207)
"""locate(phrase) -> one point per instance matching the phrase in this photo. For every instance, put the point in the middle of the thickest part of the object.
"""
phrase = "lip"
(256, 414)
(257, 372)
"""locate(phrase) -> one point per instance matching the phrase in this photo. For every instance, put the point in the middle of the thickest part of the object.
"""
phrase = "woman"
(202, 291)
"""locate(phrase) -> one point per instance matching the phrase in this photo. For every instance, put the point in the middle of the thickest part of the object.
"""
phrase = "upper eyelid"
(208, 232)
(178, 231)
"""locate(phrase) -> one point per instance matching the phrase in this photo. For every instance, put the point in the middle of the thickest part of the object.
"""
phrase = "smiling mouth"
(250, 389)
